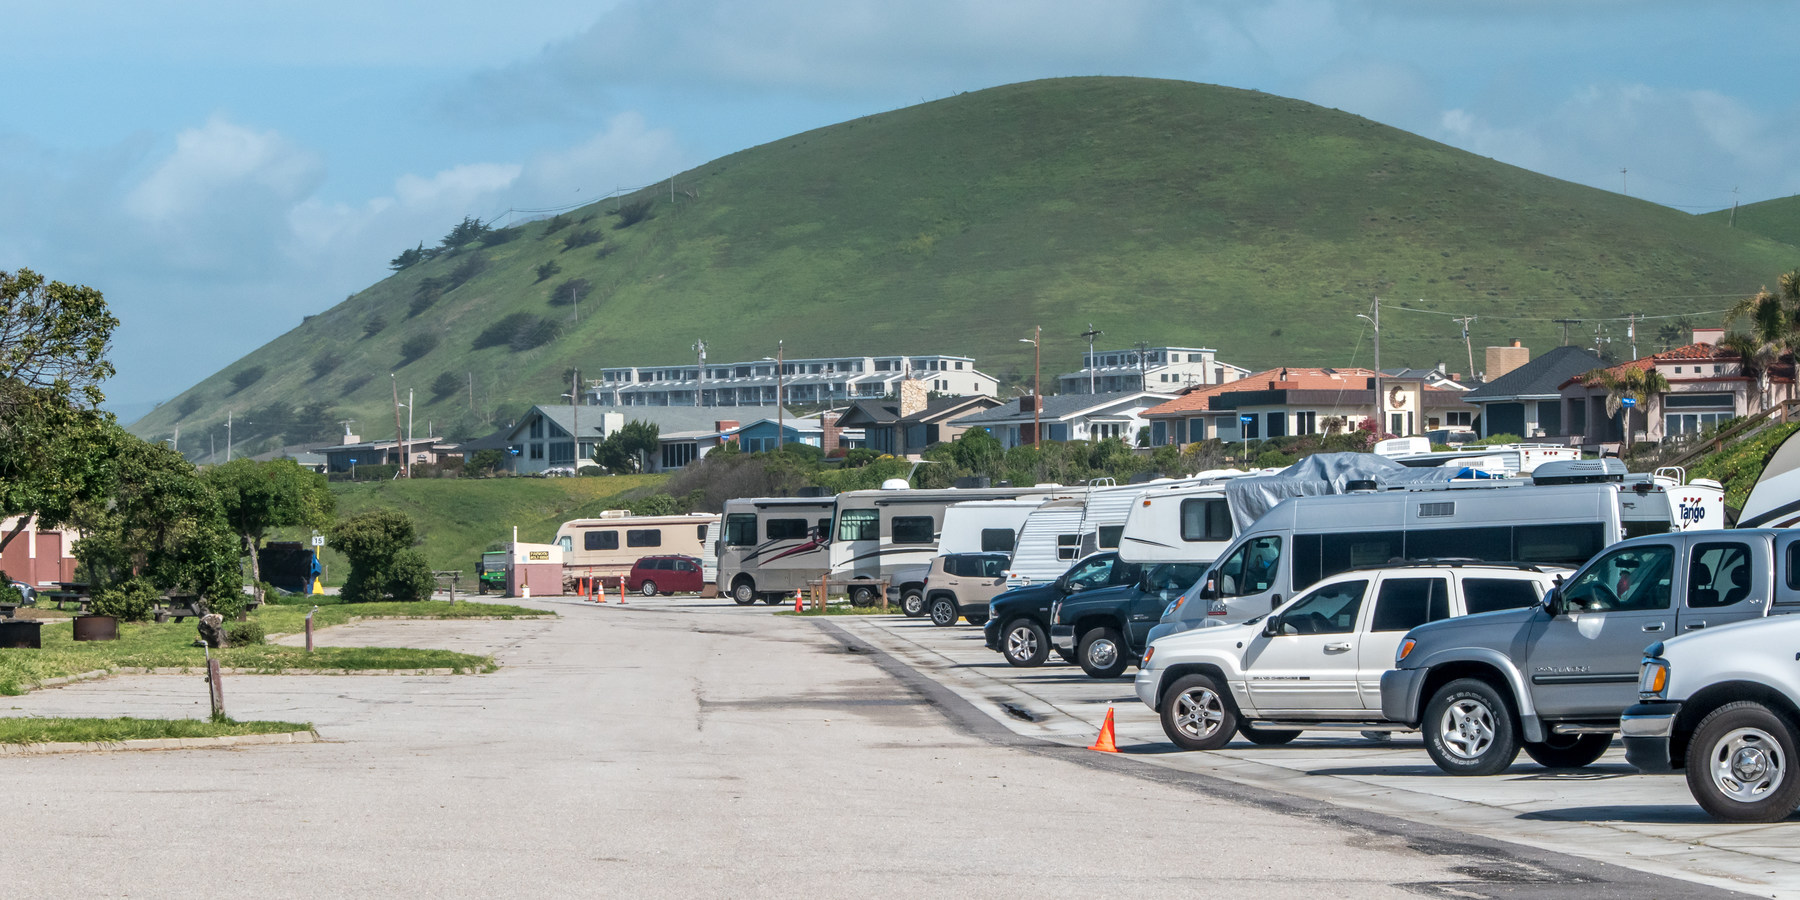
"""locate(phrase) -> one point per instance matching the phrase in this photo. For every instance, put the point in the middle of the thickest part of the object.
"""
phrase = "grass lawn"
(22, 730)
(149, 645)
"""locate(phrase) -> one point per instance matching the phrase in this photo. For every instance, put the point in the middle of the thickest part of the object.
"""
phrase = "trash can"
(22, 634)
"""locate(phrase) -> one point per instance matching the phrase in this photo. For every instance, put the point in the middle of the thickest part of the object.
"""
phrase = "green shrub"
(632, 213)
(416, 346)
(132, 600)
(384, 566)
(189, 405)
(246, 377)
(10, 594)
(374, 326)
(581, 238)
(243, 634)
(446, 384)
(548, 270)
(325, 364)
(472, 265)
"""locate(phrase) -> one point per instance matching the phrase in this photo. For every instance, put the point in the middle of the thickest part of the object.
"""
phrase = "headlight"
(1406, 647)
(991, 613)
(1654, 680)
(1169, 611)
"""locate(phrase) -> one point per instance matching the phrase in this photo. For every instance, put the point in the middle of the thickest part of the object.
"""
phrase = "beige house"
(1707, 385)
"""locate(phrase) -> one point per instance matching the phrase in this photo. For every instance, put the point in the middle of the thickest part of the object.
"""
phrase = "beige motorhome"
(605, 547)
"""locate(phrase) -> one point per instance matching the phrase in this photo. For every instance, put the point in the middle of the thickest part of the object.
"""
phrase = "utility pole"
(1375, 320)
(1731, 221)
(1143, 348)
(409, 424)
(1091, 334)
(699, 392)
(1466, 321)
(575, 413)
(575, 302)
(1037, 374)
(471, 391)
(1631, 332)
(1624, 185)
(404, 473)
(780, 414)
(1565, 323)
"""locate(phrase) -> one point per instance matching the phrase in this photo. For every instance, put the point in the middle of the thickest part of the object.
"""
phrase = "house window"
(537, 451)
(1458, 419)
(674, 456)
(1306, 422)
(537, 427)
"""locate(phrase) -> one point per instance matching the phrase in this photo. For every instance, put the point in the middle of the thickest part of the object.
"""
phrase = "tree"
(1774, 326)
(411, 257)
(628, 449)
(467, 231)
(157, 518)
(54, 339)
(487, 462)
(257, 497)
(1620, 382)
(445, 384)
(384, 565)
(416, 346)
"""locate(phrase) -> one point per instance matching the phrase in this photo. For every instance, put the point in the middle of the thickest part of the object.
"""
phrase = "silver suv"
(1554, 679)
(960, 585)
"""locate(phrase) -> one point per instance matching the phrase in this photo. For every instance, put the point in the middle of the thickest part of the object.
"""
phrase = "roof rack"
(1455, 562)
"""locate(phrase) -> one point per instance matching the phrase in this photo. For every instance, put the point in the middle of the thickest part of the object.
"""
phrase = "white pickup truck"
(1724, 704)
(1316, 663)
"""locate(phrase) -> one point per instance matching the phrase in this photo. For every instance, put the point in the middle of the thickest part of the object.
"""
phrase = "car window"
(913, 530)
(1092, 574)
(1718, 574)
(1251, 568)
(1176, 577)
(859, 525)
(1633, 578)
(1330, 609)
(994, 566)
(1490, 594)
(1406, 603)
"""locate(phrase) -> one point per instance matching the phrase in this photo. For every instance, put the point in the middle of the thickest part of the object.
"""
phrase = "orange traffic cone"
(600, 588)
(797, 601)
(1104, 743)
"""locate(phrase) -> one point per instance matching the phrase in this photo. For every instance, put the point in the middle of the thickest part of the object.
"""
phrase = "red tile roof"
(1291, 378)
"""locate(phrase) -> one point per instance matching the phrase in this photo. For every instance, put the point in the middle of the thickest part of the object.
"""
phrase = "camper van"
(972, 526)
(769, 547)
(606, 547)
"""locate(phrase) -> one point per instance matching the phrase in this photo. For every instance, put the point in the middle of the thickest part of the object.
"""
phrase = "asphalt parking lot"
(1606, 812)
(692, 747)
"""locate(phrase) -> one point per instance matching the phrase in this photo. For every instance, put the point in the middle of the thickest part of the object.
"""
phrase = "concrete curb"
(199, 743)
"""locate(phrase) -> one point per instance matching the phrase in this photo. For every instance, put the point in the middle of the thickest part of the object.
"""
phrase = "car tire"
(943, 611)
(1469, 729)
(1024, 644)
(1568, 751)
(1101, 653)
(1267, 737)
(648, 588)
(1197, 715)
(743, 592)
(1068, 656)
(862, 595)
(912, 602)
(1741, 764)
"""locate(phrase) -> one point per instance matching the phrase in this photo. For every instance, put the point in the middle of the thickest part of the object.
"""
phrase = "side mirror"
(1209, 590)
(1272, 625)
(1074, 587)
(1553, 601)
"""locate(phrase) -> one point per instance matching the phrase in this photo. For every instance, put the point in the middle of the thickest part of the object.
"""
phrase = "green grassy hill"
(458, 518)
(1162, 211)
(1777, 220)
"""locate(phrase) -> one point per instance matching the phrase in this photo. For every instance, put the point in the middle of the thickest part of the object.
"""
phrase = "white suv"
(1317, 661)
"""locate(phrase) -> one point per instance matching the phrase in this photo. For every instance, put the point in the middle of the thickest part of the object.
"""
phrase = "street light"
(1037, 387)
(1244, 421)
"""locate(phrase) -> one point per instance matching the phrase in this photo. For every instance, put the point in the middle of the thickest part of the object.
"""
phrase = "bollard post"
(309, 644)
(215, 685)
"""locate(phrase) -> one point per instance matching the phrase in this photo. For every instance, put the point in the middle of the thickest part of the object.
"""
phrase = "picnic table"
(179, 606)
(61, 596)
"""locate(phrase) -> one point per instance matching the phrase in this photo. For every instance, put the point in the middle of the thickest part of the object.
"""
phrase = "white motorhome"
(1186, 524)
(769, 547)
(607, 546)
(985, 526)
(1066, 530)
(877, 533)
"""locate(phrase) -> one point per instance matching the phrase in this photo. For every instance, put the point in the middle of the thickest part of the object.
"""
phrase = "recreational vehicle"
(769, 547)
(1498, 459)
(605, 547)
(876, 533)
(972, 526)
(1065, 530)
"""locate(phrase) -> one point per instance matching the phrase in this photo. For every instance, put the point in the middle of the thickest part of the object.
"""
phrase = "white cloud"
(215, 164)
(627, 153)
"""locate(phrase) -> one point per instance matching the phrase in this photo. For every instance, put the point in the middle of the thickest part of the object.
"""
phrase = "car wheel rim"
(743, 593)
(1467, 729)
(943, 613)
(649, 589)
(913, 602)
(1021, 643)
(1748, 764)
(1199, 712)
(1103, 653)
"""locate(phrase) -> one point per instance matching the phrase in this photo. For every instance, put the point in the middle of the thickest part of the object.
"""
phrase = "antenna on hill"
(1731, 220)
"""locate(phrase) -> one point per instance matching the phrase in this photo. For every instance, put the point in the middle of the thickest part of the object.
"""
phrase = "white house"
(1068, 417)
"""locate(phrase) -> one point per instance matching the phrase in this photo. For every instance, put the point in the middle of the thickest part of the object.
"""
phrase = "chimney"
(724, 425)
(1028, 403)
(912, 396)
(351, 439)
(830, 432)
(1501, 360)
(1709, 336)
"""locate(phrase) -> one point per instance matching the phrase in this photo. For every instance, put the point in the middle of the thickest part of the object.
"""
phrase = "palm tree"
(1774, 320)
(1639, 384)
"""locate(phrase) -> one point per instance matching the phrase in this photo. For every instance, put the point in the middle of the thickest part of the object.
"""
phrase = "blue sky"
(221, 169)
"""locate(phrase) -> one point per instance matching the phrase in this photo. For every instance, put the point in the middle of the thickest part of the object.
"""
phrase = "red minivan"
(654, 575)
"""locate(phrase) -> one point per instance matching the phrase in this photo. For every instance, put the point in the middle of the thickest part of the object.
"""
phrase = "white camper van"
(877, 533)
